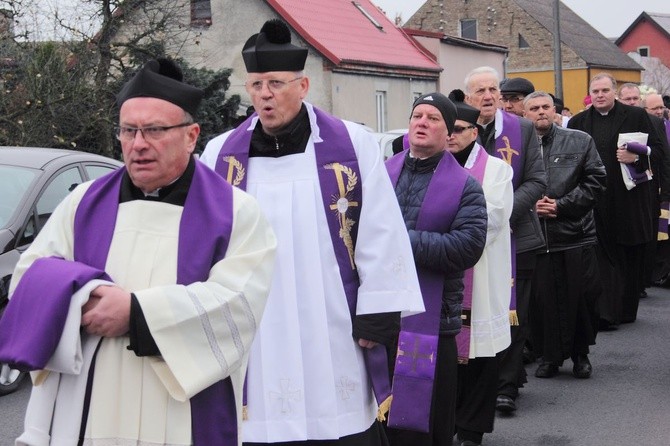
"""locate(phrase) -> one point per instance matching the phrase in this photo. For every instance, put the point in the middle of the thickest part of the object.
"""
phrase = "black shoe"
(582, 368)
(469, 443)
(643, 294)
(546, 370)
(605, 325)
(505, 404)
(528, 355)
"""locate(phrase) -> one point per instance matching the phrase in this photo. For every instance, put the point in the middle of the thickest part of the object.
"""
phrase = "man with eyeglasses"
(511, 138)
(445, 213)
(567, 282)
(170, 268)
(345, 269)
(512, 93)
(486, 294)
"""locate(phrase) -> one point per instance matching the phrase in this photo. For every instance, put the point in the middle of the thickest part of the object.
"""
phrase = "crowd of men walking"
(331, 298)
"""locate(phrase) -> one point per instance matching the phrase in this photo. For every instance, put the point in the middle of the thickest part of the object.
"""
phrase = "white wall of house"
(458, 61)
(354, 98)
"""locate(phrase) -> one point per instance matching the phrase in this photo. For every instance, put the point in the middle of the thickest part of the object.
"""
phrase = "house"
(526, 28)
(649, 36)
(458, 56)
(362, 67)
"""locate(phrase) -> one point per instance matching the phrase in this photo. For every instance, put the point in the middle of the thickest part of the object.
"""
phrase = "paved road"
(626, 401)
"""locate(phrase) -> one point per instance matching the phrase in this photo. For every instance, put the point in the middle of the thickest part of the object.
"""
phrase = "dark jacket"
(452, 252)
(576, 179)
(524, 222)
(623, 216)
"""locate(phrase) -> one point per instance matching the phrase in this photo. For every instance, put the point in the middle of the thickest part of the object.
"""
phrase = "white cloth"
(490, 329)
(204, 330)
(62, 383)
(307, 379)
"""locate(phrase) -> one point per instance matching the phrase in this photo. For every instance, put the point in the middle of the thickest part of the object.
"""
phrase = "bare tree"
(62, 92)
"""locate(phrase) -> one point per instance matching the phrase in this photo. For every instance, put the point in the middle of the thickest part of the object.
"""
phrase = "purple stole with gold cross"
(342, 194)
(509, 149)
(419, 334)
(204, 232)
(477, 171)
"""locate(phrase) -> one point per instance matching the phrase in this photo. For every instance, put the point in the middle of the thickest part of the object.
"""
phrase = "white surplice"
(204, 330)
(490, 329)
(307, 379)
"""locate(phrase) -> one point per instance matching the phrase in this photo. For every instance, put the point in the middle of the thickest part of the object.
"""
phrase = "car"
(32, 183)
(385, 141)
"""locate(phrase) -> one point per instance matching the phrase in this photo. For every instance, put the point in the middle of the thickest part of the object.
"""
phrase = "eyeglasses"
(274, 85)
(458, 129)
(512, 99)
(153, 133)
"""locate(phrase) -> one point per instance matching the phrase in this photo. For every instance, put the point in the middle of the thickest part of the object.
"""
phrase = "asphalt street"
(625, 402)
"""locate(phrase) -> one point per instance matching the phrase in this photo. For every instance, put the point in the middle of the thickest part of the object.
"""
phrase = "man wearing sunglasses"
(345, 269)
(172, 268)
(487, 285)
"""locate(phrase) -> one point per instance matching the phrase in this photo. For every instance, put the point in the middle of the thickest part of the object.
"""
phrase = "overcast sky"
(609, 17)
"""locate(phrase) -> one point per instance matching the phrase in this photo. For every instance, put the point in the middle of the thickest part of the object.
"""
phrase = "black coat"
(623, 216)
(576, 179)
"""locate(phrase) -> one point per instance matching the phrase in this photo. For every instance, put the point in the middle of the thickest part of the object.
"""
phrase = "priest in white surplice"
(344, 264)
(182, 266)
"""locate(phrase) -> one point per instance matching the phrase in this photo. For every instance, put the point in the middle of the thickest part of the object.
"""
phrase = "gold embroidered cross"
(507, 152)
(232, 164)
(342, 204)
(416, 355)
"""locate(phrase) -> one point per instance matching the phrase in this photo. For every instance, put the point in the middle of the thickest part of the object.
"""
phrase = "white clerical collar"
(155, 193)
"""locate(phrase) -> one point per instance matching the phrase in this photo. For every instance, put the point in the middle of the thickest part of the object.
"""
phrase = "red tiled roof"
(344, 35)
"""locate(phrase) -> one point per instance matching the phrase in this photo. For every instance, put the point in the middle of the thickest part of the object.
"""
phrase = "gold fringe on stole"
(384, 408)
(245, 413)
(513, 318)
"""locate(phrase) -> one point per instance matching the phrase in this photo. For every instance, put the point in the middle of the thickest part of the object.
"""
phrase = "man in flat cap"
(511, 138)
(344, 269)
(512, 92)
(170, 268)
(445, 214)
(486, 294)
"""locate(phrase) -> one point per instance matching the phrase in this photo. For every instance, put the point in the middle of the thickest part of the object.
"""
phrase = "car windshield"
(14, 183)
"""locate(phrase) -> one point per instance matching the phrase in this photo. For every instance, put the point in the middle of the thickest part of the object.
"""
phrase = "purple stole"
(204, 233)
(342, 194)
(509, 149)
(31, 326)
(419, 334)
(477, 170)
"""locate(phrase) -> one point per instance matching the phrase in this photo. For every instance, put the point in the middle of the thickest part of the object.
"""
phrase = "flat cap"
(517, 85)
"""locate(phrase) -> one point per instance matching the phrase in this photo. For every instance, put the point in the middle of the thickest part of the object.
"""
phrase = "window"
(643, 51)
(61, 185)
(380, 97)
(522, 42)
(201, 13)
(95, 171)
(469, 28)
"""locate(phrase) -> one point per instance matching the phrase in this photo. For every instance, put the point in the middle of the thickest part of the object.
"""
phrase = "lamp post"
(558, 66)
